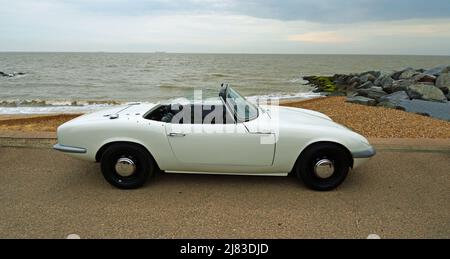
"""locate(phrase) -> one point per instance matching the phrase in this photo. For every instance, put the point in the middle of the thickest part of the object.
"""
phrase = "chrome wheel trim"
(125, 167)
(324, 168)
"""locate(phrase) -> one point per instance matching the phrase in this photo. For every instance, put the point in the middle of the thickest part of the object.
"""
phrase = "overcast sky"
(227, 26)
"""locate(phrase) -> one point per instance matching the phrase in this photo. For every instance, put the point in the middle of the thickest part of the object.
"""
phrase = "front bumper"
(67, 149)
(368, 153)
(361, 157)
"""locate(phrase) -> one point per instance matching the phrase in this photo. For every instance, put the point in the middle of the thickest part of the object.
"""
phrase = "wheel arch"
(310, 145)
(98, 155)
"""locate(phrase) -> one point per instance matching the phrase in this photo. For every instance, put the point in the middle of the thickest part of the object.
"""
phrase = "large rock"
(367, 77)
(384, 81)
(354, 80)
(13, 74)
(433, 109)
(425, 92)
(379, 79)
(437, 71)
(6, 74)
(402, 95)
(425, 78)
(392, 100)
(396, 75)
(366, 85)
(372, 93)
(443, 82)
(376, 74)
(362, 100)
(397, 86)
(341, 79)
(407, 74)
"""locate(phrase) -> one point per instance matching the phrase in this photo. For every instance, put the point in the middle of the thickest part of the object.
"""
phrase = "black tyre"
(127, 166)
(323, 167)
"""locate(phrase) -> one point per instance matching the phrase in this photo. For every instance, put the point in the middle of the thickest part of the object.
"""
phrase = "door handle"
(177, 135)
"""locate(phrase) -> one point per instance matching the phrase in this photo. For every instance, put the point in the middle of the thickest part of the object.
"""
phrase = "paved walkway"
(46, 194)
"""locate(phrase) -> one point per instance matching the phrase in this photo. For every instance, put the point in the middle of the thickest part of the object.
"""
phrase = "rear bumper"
(368, 153)
(68, 149)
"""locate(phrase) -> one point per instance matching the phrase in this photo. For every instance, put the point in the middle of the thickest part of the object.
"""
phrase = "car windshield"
(242, 109)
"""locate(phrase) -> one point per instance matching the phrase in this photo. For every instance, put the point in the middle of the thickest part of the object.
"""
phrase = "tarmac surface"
(401, 193)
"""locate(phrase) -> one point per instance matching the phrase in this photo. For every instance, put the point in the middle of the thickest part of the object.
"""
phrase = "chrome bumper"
(67, 149)
(368, 153)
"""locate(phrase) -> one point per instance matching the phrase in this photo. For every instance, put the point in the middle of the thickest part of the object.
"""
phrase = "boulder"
(372, 93)
(6, 74)
(340, 79)
(396, 86)
(376, 74)
(434, 109)
(379, 79)
(402, 95)
(437, 71)
(392, 100)
(425, 78)
(367, 77)
(443, 82)
(384, 81)
(425, 92)
(353, 80)
(387, 82)
(396, 75)
(366, 85)
(13, 74)
(362, 100)
(407, 74)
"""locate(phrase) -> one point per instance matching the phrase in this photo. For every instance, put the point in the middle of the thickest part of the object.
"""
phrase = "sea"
(83, 82)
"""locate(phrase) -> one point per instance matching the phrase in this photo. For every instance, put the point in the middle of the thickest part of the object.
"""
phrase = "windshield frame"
(229, 95)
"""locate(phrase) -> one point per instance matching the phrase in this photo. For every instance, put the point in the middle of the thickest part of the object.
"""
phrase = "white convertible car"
(229, 136)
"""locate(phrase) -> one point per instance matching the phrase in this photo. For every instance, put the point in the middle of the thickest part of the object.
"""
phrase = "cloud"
(212, 26)
(324, 11)
(345, 11)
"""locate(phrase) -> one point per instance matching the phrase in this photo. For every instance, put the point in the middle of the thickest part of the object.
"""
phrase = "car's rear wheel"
(127, 166)
(323, 166)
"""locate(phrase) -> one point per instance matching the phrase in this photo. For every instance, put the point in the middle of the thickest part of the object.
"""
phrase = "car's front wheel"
(323, 167)
(126, 166)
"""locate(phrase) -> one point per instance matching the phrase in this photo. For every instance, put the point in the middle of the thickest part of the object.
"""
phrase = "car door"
(219, 145)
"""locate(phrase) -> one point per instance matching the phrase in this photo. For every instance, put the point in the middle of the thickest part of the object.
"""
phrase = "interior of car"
(191, 114)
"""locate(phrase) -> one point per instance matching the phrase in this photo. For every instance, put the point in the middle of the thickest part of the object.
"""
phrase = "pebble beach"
(372, 122)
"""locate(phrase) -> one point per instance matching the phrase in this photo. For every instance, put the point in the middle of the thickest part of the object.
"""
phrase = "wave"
(85, 106)
(50, 103)
(49, 106)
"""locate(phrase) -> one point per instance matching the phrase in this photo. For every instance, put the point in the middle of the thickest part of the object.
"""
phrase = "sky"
(415, 27)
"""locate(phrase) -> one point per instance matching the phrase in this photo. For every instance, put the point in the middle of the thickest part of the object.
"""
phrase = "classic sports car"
(229, 135)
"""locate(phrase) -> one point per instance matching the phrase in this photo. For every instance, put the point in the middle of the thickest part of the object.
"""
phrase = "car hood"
(296, 116)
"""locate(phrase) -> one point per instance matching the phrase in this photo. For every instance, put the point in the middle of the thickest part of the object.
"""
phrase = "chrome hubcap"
(324, 169)
(125, 167)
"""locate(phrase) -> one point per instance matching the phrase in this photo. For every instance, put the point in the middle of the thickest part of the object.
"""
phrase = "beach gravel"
(377, 122)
